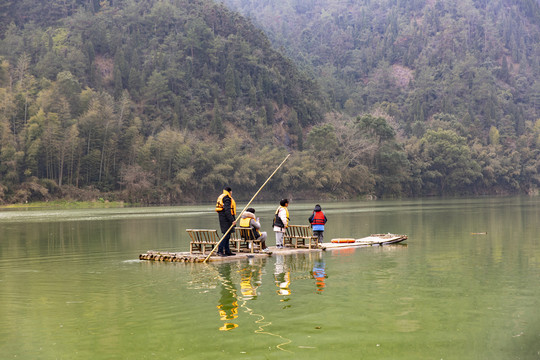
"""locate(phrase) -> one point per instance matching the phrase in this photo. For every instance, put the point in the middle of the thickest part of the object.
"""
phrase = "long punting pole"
(244, 209)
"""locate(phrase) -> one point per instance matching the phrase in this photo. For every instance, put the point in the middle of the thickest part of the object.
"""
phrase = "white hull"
(375, 239)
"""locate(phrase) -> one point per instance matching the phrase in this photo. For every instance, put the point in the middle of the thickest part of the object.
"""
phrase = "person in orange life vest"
(248, 220)
(226, 209)
(317, 221)
(281, 222)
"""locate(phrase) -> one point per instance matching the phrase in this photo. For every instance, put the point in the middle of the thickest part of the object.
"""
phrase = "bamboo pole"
(244, 209)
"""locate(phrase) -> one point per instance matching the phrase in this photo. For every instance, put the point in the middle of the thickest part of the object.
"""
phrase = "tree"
(8, 158)
(32, 143)
(136, 182)
(51, 130)
(449, 165)
(68, 87)
(25, 82)
(494, 136)
(230, 82)
(322, 142)
(157, 95)
(296, 129)
(216, 126)
(375, 127)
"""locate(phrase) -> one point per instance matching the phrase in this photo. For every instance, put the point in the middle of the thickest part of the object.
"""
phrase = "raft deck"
(186, 257)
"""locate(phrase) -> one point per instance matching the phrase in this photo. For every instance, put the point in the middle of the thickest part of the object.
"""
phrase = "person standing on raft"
(281, 222)
(317, 221)
(226, 209)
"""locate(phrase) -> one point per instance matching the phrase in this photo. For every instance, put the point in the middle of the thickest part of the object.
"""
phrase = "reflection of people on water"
(319, 274)
(228, 302)
(282, 277)
(250, 280)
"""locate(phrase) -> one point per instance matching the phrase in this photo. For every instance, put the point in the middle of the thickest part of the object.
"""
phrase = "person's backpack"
(277, 220)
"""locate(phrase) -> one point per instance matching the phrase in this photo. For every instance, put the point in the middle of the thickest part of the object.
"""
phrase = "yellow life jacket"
(219, 203)
(277, 220)
(245, 222)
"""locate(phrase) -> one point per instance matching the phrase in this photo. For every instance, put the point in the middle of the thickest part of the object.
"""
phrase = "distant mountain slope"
(437, 71)
(200, 47)
(474, 59)
(115, 75)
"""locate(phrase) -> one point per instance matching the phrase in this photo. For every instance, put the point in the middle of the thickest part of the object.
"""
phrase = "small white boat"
(374, 239)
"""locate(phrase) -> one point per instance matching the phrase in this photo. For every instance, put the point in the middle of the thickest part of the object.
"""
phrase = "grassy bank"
(66, 204)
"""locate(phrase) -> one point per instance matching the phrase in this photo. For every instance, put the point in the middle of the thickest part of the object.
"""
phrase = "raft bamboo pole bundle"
(171, 257)
(244, 209)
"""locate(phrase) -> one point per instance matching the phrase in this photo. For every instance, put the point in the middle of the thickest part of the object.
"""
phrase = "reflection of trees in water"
(202, 278)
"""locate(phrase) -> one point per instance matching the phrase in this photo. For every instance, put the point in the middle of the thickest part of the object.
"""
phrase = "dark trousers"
(225, 222)
(223, 247)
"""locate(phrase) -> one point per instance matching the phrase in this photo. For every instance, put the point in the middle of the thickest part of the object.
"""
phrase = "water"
(466, 285)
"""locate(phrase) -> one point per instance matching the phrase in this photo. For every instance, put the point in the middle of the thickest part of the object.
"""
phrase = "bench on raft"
(246, 239)
(300, 235)
(204, 240)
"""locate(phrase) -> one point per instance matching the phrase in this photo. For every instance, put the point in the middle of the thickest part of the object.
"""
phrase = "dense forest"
(167, 101)
(458, 81)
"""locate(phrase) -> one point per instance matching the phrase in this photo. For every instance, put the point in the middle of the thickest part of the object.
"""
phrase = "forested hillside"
(158, 101)
(165, 101)
(463, 74)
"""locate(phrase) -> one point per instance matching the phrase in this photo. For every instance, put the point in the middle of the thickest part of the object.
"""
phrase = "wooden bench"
(300, 235)
(202, 240)
(245, 239)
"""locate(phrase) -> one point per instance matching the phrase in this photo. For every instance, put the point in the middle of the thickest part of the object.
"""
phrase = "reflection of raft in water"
(373, 240)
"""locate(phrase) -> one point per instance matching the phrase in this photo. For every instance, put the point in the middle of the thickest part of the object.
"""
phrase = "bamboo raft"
(340, 243)
(186, 257)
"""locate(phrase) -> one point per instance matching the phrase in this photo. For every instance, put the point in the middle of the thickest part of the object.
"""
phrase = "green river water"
(466, 285)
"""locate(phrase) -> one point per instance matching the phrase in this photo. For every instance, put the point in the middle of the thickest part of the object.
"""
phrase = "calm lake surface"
(465, 286)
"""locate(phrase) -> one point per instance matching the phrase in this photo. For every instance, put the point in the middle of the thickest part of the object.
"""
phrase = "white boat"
(374, 239)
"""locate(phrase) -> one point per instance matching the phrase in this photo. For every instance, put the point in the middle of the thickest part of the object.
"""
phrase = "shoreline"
(66, 204)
